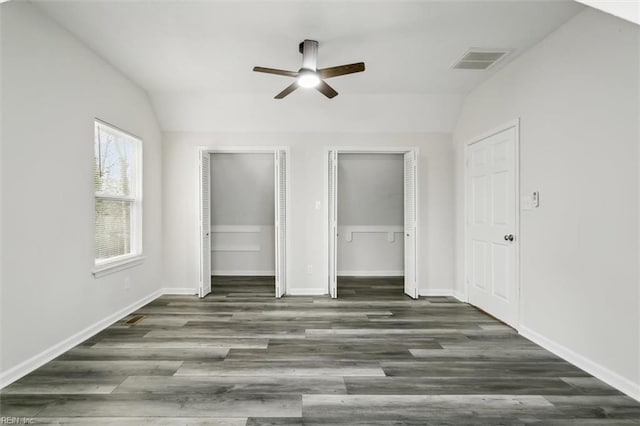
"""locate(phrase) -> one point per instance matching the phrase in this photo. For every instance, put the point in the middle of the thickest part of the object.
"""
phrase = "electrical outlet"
(309, 269)
(127, 283)
(318, 205)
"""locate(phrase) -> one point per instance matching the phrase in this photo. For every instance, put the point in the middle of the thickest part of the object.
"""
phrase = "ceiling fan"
(309, 76)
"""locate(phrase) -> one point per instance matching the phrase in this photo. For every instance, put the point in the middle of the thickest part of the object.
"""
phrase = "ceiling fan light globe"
(308, 79)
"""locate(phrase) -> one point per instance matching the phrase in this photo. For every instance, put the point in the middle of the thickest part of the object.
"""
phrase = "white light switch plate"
(535, 200)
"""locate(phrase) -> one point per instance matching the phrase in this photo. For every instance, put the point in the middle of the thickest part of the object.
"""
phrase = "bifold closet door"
(281, 221)
(205, 225)
(410, 225)
(333, 223)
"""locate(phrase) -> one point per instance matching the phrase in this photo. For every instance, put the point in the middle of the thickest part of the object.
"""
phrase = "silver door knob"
(509, 237)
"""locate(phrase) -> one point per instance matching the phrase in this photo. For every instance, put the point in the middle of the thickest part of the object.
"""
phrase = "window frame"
(135, 257)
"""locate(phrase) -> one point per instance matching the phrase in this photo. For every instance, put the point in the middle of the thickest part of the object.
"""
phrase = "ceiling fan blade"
(341, 70)
(275, 71)
(326, 90)
(288, 90)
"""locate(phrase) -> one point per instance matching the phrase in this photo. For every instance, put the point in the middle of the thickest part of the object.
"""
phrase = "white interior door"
(281, 221)
(410, 225)
(491, 239)
(333, 223)
(205, 226)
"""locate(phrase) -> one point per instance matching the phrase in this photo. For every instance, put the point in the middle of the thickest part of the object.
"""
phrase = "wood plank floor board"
(237, 384)
(456, 386)
(396, 407)
(289, 368)
(606, 406)
(372, 357)
(143, 421)
(256, 324)
(366, 421)
(60, 384)
(319, 357)
(28, 406)
(590, 386)
(390, 331)
(516, 369)
(259, 331)
(180, 320)
(189, 352)
(127, 332)
(188, 341)
(485, 354)
(102, 368)
(318, 313)
(453, 420)
(169, 405)
(582, 422)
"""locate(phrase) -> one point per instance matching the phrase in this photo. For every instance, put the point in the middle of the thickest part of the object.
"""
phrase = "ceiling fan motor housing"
(309, 50)
(309, 76)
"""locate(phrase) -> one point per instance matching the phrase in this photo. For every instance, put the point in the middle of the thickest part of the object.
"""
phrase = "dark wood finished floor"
(372, 357)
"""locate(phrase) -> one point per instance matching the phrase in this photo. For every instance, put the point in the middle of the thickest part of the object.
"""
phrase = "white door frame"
(214, 149)
(370, 150)
(511, 124)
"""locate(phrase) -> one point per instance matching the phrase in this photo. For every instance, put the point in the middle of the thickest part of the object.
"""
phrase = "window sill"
(118, 265)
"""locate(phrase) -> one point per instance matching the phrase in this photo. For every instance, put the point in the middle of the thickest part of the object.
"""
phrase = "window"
(118, 198)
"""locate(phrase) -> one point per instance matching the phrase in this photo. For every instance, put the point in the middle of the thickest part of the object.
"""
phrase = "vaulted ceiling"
(195, 58)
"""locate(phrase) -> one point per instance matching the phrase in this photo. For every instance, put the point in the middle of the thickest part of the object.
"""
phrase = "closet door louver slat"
(205, 226)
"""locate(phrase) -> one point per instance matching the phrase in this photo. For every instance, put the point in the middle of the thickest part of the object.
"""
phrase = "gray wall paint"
(308, 224)
(242, 189)
(52, 88)
(370, 254)
(577, 96)
(242, 194)
(370, 190)
(370, 193)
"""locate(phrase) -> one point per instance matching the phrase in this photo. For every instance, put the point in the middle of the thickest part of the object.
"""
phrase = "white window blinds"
(117, 185)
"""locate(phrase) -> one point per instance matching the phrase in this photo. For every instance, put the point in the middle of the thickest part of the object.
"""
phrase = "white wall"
(370, 201)
(308, 225)
(242, 214)
(205, 111)
(244, 250)
(52, 88)
(2, 297)
(370, 189)
(577, 96)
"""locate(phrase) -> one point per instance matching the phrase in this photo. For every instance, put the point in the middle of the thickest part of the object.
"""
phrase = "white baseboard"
(270, 273)
(307, 291)
(175, 291)
(435, 292)
(613, 379)
(460, 296)
(370, 273)
(26, 367)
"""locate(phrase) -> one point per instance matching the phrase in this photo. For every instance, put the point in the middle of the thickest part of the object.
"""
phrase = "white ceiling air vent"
(480, 59)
